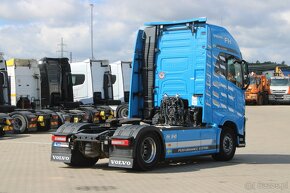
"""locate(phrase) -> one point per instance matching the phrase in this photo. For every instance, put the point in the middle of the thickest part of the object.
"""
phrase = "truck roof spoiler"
(198, 20)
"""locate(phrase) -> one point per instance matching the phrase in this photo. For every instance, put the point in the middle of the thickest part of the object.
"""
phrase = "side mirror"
(246, 81)
(2, 81)
(113, 79)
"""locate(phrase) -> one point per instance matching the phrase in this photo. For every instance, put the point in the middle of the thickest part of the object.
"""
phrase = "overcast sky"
(34, 28)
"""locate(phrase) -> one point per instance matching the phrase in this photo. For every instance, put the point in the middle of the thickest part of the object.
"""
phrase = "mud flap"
(121, 162)
(61, 152)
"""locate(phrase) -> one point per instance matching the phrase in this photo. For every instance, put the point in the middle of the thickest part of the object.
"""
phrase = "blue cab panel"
(188, 59)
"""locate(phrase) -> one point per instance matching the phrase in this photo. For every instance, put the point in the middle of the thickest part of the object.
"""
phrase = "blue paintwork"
(136, 102)
(183, 138)
(185, 66)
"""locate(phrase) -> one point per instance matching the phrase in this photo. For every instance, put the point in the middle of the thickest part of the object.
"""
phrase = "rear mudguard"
(134, 132)
(69, 129)
(61, 151)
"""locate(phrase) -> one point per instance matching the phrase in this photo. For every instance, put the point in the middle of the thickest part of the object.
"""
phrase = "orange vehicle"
(258, 90)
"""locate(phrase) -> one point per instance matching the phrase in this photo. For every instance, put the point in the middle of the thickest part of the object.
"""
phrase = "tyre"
(79, 160)
(20, 123)
(148, 152)
(122, 111)
(266, 99)
(227, 146)
(2, 133)
(260, 100)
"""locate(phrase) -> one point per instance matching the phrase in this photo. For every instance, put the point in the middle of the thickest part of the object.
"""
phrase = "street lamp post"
(92, 42)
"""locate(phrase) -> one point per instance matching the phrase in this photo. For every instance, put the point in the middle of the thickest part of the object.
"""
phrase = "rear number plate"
(60, 144)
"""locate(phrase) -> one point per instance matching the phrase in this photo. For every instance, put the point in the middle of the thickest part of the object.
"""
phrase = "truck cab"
(279, 90)
(98, 83)
(186, 99)
(6, 122)
(57, 91)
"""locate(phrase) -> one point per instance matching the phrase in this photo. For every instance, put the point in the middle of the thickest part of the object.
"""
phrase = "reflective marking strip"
(189, 143)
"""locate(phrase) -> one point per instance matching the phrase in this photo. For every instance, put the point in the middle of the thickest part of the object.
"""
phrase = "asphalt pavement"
(263, 166)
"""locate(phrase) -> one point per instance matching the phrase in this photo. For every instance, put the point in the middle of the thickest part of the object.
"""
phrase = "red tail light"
(120, 142)
(33, 119)
(58, 138)
(289, 90)
(54, 117)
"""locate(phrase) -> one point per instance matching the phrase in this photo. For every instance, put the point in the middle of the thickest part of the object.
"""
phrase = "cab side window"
(234, 71)
(78, 79)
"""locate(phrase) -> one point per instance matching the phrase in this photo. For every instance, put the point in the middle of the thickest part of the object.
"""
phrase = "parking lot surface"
(263, 166)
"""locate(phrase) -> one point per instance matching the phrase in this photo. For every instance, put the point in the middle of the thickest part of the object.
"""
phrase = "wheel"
(122, 111)
(266, 99)
(260, 100)
(148, 151)
(2, 133)
(79, 160)
(227, 146)
(20, 124)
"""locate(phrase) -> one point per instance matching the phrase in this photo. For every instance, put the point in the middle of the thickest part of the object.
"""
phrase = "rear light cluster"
(120, 142)
(289, 90)
(8, 121)
(53, 123)
(34, 119)
(55, 117)
(32, 125)
(58, 138)
(32, 122)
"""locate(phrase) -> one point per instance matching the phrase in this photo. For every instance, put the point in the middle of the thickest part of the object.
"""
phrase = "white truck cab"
(279, 89)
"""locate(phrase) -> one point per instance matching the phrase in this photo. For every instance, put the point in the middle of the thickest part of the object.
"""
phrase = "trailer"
(186, 99)
(23, 120)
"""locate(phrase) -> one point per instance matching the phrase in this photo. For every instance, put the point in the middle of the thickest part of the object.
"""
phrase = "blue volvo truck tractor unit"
(186, 99)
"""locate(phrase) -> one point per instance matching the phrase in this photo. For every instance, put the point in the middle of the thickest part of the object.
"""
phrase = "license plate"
(60, 144)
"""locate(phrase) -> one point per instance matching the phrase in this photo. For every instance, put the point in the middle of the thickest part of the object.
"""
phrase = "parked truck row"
(38, 95)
